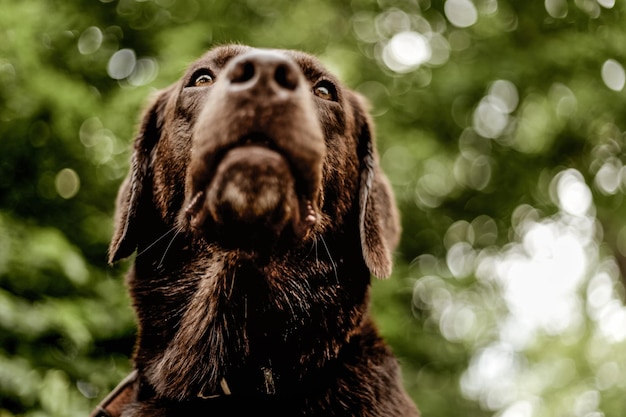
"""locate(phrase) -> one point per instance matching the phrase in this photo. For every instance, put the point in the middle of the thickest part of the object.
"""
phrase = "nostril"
(268, 71)
(243, 72)
(286, 77)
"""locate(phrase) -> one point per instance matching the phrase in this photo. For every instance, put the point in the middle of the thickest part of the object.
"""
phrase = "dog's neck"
(339, 373)
(245, 342)
(269, 385)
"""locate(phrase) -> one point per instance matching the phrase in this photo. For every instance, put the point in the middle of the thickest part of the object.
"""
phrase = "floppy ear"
(135, 187)
(378, 215)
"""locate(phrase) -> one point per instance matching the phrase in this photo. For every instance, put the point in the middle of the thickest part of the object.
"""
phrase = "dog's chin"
(253, 195)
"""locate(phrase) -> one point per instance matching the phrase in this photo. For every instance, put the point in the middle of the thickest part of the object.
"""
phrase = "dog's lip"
(260, 139)
(308, 205)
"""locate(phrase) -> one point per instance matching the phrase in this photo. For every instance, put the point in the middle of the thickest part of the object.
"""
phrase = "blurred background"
(501, 125)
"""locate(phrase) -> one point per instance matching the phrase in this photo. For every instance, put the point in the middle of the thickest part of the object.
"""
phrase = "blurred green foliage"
(501, 126)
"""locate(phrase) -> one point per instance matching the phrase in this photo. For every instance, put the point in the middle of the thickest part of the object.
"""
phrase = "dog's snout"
(264, 69)
(261, 100)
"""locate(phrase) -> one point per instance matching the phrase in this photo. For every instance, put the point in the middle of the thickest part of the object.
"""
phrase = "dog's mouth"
(254, 189)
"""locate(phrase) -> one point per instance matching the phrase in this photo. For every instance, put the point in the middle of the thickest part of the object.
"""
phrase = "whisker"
(173, 229)
(331, 259)
(317, 258)
(232, 288)
(178, 230)
(312, 247)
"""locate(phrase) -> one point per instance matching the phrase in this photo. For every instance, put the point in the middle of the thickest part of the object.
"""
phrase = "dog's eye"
(325, 90)
(201, 78)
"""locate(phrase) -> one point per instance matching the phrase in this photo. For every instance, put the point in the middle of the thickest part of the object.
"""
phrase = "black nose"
(264, 70)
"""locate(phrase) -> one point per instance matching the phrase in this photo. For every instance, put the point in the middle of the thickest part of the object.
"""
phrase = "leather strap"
(128, 390)
(123, 394)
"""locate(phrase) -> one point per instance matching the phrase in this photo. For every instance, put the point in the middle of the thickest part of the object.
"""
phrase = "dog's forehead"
(310, 65)
(219, 57)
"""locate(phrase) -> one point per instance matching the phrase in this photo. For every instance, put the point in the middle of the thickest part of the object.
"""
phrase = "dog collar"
(268, 386)
(114, 403)
(127, 391)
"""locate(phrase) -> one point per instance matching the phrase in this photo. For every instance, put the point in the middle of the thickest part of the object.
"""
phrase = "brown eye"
(203, 80)
(325, 91)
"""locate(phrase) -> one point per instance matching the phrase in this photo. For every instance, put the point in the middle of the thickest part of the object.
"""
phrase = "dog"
(258, 213)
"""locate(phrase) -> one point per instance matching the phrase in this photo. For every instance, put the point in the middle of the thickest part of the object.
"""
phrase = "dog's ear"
(135, 187)
(378, 215)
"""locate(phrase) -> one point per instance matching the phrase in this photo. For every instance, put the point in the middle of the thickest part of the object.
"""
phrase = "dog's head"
(253, 147)
(245, 174)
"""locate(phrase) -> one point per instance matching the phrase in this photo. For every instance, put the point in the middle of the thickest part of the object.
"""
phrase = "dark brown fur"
(258, 211)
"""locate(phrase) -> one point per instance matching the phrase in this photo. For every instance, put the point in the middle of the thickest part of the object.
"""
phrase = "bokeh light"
(122, 64)
(492, 115)
(557, 8)
(90, 40)
(613, 75)
(461, 13)
(542, 275)
(67, 183)
(406, 51)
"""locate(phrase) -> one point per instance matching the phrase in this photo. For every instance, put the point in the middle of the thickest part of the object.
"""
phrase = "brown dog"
(258, 211)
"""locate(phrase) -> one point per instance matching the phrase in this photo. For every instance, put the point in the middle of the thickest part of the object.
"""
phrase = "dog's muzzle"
(258, 150)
